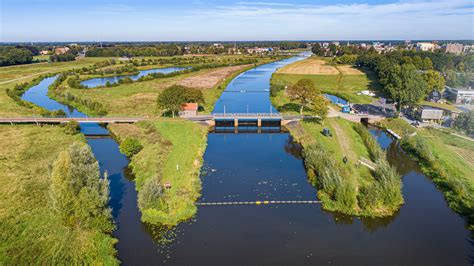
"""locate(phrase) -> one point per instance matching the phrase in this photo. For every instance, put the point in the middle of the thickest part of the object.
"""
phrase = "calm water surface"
(96, 82)
(248, 167)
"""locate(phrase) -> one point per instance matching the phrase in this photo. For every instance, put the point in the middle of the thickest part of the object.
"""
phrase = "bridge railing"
(238, 115)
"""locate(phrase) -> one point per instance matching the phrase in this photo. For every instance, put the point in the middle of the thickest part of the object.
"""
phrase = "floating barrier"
(258, 202)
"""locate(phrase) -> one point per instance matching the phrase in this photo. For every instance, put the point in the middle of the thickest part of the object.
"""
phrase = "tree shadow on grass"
(289, 107)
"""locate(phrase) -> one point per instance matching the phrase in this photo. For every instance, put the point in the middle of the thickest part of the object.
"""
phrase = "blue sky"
(147, 20)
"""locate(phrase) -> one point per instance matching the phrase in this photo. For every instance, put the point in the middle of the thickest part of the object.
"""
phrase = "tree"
(427, 64)
(465, 122)
(434, 81)
(303, 92)
(77, 193)
(319, 106)
(130, 147)
(172, 98)
(405, 85)
(318, 50)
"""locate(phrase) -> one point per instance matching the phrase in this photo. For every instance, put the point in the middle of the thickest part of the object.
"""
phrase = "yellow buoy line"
(258, 202)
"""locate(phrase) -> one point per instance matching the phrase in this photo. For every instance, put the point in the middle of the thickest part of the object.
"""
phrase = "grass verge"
(172, 153)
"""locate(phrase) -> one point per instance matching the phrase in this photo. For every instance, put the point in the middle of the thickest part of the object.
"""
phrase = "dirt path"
(344, 142)
(33, 75)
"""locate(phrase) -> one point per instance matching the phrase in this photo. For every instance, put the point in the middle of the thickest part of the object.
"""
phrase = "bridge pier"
(236, 122)
(259, 122)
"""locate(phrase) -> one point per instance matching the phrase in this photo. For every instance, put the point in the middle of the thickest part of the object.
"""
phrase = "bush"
(336, 192)
(77, 192)
(150, 194)
(130, 147)
(72, 127)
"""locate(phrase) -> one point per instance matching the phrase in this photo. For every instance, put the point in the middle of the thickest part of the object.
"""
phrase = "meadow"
(31, 232)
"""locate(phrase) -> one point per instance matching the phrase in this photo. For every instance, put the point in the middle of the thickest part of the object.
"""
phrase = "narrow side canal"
(248, 167)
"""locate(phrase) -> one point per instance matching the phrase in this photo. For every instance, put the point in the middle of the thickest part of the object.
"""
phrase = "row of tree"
(10, 56)
(407, 80)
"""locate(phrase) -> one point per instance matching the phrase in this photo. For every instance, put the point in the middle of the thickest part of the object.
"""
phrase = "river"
(249, 167)
(96, 82)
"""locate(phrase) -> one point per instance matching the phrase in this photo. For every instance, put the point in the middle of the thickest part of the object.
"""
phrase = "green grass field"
(31, 232)
(174, 154)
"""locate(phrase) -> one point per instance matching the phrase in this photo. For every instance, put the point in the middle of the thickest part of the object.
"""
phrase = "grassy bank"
(398, 125)
(350, 187)
(31, 232)
(172, 153)
(449, 161)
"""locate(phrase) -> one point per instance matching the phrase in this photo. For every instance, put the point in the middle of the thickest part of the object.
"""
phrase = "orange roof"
(189, 106)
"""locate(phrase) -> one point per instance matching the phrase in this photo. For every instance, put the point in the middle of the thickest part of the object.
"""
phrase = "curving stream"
(249, 167)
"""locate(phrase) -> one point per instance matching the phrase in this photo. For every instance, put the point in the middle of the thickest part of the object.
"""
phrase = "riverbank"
(171, 156)
(348, 168)
(31, 232)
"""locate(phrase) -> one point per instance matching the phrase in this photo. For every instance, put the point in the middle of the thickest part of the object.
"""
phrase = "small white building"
(189, 110)
(460, 95)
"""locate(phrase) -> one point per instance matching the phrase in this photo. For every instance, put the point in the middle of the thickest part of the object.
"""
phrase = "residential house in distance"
(428, 114)
(189, 110)
(425, 46)
(454, 48)
(258, 50)
(44, 52)
(61, 50)
(460, 95)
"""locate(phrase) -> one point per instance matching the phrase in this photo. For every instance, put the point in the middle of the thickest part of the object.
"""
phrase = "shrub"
(334, 189)
(150, 194)
(130, 147)
(72, 127)
(77, 192)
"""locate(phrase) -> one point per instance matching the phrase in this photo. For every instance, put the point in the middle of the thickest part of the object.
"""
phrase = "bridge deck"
(67, 119)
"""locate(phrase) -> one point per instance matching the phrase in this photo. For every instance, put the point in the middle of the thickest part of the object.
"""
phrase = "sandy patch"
(210, 78)
(309, 66)
(349, 70)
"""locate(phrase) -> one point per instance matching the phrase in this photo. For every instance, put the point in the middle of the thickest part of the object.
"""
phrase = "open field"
(349, 70)
(31, 232)
(172, 151)
(211, 78)
(310, 66)
(343, 80)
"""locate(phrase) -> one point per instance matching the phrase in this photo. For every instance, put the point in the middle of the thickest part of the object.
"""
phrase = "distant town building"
(61, 50)
(258, 50)
(44, 52)
(460, 95)
(468, 48)
(218, 46)
(454, 48)
(425, 46)
(189, 110)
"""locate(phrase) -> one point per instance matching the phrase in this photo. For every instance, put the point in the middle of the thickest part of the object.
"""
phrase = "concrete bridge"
(60, 120)
(247, 119)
